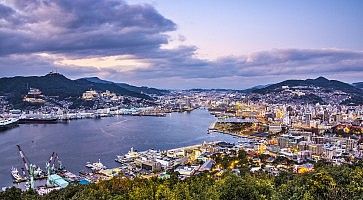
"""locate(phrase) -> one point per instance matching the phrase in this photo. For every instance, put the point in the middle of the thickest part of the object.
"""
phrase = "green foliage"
(235, 187)
(326, 182)
(11, 194)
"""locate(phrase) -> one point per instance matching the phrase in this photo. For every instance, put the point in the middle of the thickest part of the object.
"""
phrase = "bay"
(80, 141)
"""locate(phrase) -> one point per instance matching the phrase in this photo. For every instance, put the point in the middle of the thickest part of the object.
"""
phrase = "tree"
(11, 194)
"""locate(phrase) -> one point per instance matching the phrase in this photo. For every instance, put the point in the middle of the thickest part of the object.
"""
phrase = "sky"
(184, 44)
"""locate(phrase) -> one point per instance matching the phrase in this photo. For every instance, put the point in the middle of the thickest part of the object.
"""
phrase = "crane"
(53, 161)
(24, 159)
(60, 166)
(48, 164)
(29, 169)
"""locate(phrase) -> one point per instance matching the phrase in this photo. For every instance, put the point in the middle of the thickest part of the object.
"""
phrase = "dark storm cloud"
(5, 11)
(86, 27)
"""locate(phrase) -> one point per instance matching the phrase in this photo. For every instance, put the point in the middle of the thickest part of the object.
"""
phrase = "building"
(286, 141)
(274, 128)
(151, 165)
(351, 144)
(316, 149)
(318, 140)
(89, 95)
(329, 152)
(207, 166)
(186, 170)
(56, 180)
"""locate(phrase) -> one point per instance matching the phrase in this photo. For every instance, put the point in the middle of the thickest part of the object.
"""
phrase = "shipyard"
(149, 163)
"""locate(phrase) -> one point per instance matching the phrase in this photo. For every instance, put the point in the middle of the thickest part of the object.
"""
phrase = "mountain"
(55, 84)
(227, 90)
(249, 90)
(321, 82)
(143, 89)
(212, 90)
(358, 85)
(96, 80)
(319, 90)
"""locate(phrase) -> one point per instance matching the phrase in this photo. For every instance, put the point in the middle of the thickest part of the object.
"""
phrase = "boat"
(8, 123)
(150, 114)
(15, 174)
(97, 166)
(39, 120)
(132, 154)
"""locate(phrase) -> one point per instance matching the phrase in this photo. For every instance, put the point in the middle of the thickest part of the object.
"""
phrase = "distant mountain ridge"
(142, 89)
(257, 87)
(358, 85)
(318, 82)
(55, 84)
(319, 90)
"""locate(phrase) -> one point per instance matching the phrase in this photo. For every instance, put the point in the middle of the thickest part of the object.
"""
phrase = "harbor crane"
(29, 169)
(60, 166)
(50, 166)
(24, 159)
(49, 163)
(54, 164)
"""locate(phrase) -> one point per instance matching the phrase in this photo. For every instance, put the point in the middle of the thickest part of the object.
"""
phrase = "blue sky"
(241, 27)
(184, 44)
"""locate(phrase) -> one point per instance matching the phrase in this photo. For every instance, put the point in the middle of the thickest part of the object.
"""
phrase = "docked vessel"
(15, 174)
(8, 123)
(149, 114)
(97, 166)
(131, 155)
(40, 120)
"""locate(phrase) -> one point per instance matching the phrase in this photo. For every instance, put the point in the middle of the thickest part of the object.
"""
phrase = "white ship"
(131, 155)
(8, 123)
(97, 166)
(15, 174)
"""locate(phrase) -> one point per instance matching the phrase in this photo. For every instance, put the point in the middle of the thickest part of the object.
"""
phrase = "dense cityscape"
(273, 138)
(181, 100)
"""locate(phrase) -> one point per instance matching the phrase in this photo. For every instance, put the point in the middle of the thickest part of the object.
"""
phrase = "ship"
(97, 166)
(15, 174)
(38, 120)
(8, 123)
(150, 114)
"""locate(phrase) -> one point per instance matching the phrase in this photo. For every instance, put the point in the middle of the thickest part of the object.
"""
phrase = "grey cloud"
(88, 27)
(180, 65)
(5, 11)
(30, 64)
(274, 62)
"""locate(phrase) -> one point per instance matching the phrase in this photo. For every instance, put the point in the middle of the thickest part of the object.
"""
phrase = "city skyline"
(185, 45)
(160, 99)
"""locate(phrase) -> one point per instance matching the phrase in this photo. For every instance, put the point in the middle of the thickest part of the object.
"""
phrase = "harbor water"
(85, 140)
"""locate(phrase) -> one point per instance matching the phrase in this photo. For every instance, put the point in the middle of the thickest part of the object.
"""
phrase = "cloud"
(274, 62)
(123, 42)
(33, 64)
(84, 27)
(5, 11)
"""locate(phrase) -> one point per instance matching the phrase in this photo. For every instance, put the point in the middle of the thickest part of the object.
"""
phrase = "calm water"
(88, 140)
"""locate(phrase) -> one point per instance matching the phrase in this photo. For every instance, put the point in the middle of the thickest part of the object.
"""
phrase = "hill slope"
(55, 84)
(142, 89)
(318, 82)
(358, 85)
(319, 90)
